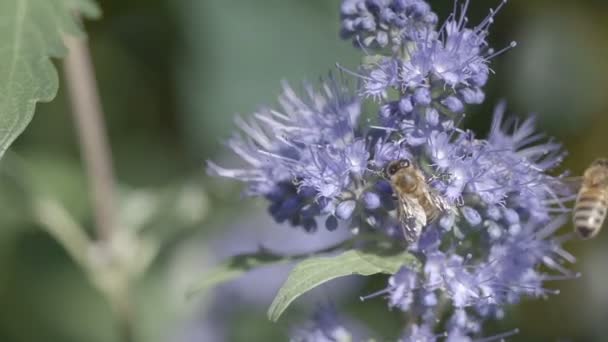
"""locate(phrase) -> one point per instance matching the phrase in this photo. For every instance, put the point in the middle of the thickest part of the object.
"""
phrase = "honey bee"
(592, 200)
(417, 203)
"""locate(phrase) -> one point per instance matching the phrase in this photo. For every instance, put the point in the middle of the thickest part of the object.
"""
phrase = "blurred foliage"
(172, 74)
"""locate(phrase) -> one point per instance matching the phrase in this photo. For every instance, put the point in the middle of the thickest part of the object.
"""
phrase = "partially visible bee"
(417, 203)
(592, 200)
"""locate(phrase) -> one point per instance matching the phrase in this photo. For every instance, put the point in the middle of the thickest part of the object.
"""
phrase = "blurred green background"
(173, 73)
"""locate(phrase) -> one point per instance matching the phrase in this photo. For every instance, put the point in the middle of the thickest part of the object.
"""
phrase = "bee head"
(603, 162)
(393, 167)
(597, 173)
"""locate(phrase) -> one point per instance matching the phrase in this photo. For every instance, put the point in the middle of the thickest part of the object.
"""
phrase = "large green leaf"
(315, 271)
(234, 268)
(243, 263)
(32, 31)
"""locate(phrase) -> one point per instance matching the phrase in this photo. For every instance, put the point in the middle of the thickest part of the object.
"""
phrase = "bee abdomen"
(589, 214)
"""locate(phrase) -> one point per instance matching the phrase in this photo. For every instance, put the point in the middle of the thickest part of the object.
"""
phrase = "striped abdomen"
(590, 211)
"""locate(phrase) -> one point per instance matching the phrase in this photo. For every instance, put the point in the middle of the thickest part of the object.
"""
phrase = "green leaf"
(31, 32)
(389, 262)
(315, 271)
(241, 264)
(234, 268)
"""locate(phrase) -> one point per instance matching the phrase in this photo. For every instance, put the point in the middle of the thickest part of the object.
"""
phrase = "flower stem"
(90, 127)
(95, 150)
(124, 313)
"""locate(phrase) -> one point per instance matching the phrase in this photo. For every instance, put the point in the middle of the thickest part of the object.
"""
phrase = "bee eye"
(404, 163)
(392, 168)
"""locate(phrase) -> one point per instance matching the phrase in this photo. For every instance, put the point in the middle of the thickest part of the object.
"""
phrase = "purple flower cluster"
(307, 158)
(380, 23)
(433, 72)
(325, 326)
(316, 160)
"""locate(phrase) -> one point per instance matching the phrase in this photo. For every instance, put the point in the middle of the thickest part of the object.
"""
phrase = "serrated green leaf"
(31, 31)
(234, 268)
(315, 271)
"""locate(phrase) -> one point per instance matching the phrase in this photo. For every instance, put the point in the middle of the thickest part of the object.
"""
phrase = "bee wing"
(438, 201)
(566, 185)
(411, 217)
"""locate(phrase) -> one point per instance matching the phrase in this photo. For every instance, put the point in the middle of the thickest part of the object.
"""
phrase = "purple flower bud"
(383, 187)
(471, 215)
(453, 104)
(331, 223)
(306, 191)
(345, 209)
(494, 213)
(348, 26)
(405, 105)
(430, 299)
(494, 230)
(510, 215)
(367, 24)
(309, 224)
(348, 8)
(374, 5)
(431, 18)
(480, 78)
(400, 5)
(515, 229)
(422, 97)
(371, 200)
(382, 38)
(290, 206)
(472, 95)
(432, 116)
(387, 15)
